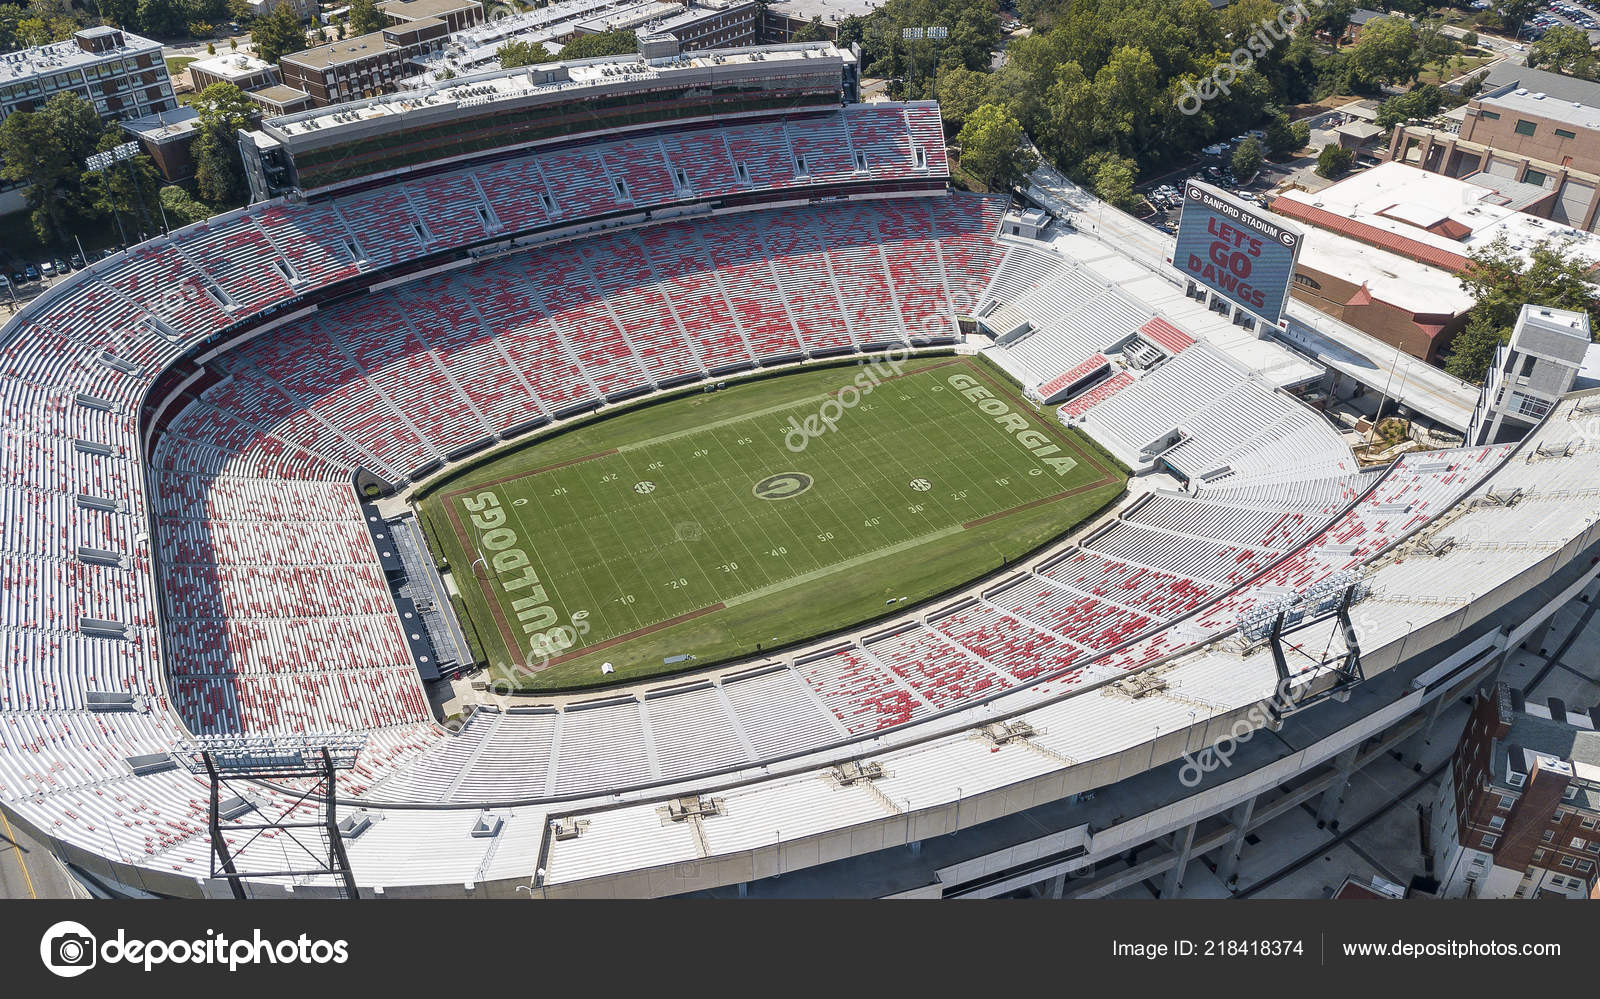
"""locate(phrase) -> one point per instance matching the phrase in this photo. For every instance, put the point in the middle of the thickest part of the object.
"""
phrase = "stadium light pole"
(1373, 430)
(99, 163)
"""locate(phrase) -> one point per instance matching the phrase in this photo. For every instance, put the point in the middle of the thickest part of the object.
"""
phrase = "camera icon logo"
(68, 949)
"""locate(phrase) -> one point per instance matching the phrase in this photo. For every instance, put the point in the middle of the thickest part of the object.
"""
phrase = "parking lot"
(1576, 15)
(22, 280)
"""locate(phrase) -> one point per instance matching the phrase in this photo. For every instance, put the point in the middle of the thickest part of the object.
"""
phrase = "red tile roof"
(1383, 239)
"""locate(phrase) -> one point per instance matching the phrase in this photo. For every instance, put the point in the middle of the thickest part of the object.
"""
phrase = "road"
(1416, 385)
(27, 870)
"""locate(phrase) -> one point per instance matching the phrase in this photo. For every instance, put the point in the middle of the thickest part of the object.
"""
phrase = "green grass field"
(706, 525)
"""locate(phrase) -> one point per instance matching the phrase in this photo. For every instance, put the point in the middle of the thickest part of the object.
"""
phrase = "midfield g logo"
(784, 485)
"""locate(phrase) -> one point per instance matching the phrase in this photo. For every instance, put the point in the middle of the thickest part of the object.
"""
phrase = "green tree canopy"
(1423, 102)
(162, 17)
(45, 150)
(607, 43)
(1247, 160)
(514, 54)
(218, 169)
(1387, 51)
(1112, 178)
(1502, 281)
(365, 17)
(278, 34)
(1334, 161)
(993, 147)
(1564, 49)
(961, 91)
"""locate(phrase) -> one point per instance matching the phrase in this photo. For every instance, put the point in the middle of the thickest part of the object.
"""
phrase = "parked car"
(61, 266)
(32, 272)
(47, 269)
(18, 278)
(77, 261)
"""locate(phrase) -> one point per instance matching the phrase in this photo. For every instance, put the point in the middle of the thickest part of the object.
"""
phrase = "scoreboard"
(1242, 253)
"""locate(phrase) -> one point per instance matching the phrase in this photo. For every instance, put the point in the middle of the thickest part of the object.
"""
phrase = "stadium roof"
(511, 84)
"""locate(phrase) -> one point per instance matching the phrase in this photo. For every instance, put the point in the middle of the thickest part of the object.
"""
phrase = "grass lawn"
(1437, 72)
(177, 64)
(694, 528)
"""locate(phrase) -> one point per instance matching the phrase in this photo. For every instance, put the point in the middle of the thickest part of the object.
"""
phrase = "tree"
(1502, 280)
(1423, 102)
(1333, 18)
(216, 175)
(1334, 161)
(1112, 178)
(211, 48)
(1564, 49)
(218, 169)
(365, 17)
(514, 54)
(1281, 139)
(1387, 51)
(1470, 40)
(1302, 133)
(45, 150)
(607, 43)
(182, 209)
(1513, 12)
(993, 147)
(961, 91)
(812, 32)
(122, 13)
(1247, 160)
(162, 17)
(278, 34)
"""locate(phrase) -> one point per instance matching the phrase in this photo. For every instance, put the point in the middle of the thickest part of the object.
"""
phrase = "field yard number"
(778, 552)
(677, 584)
(728, 567)
(626, 598)
(872, 522)
(825, 536)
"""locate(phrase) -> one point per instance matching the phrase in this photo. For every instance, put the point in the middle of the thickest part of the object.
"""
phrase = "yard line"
(850, 563)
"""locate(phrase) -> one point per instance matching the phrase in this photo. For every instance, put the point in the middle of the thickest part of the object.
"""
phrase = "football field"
(677, 535)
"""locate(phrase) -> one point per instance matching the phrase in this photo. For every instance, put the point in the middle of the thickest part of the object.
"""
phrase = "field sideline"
(678, 535)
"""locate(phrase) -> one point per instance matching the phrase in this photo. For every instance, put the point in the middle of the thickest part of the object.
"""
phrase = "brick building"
(1517, 816)
(372, 64)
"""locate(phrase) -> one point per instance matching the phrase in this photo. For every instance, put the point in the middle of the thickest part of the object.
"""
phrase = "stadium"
(273, 479)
